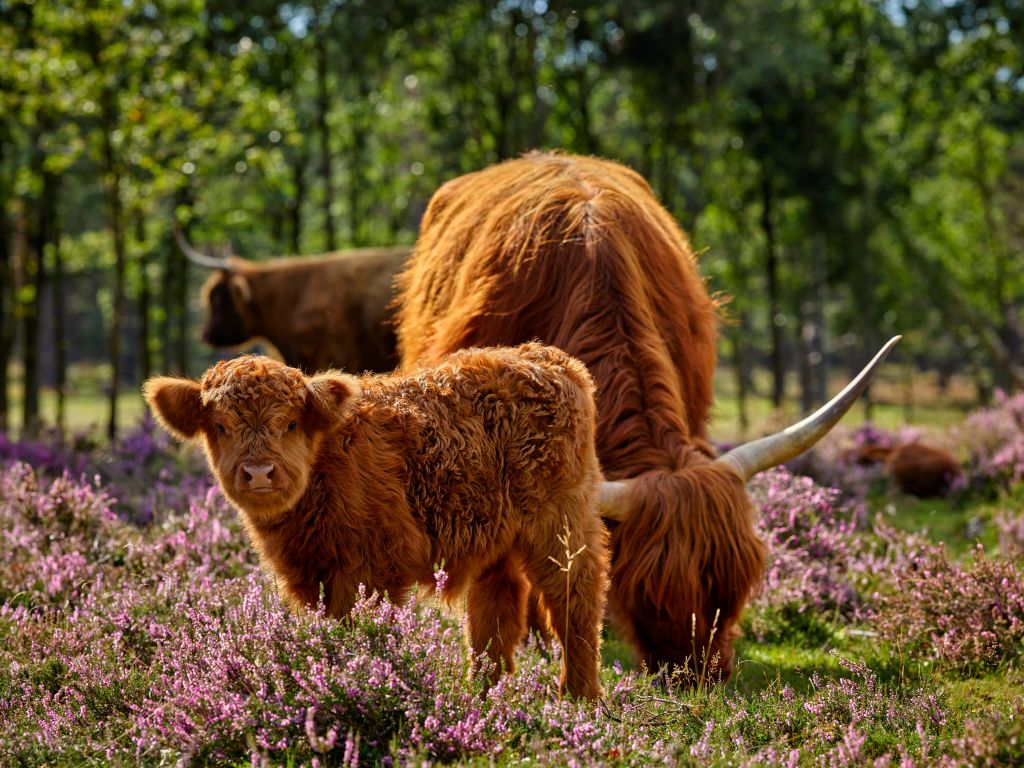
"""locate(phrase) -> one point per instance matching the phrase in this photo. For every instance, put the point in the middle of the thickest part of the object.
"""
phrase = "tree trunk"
(112, 172)
(41, 234)
(357, 158)
(145, 299)
(60, 335)
(908, 390)
(812, 335)
(181, 334)
(6, 300)
(295, 211)
(775, 317)
(803, 339)
(739, 364)
(863, 260)
(116, 210)
(322, 109)
(167, 324)
(174, 293)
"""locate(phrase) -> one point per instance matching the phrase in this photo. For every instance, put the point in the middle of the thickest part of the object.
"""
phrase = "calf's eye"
(221, 430)
(292, 425)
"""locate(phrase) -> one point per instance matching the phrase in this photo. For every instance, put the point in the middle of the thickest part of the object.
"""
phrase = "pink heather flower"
(440, 579)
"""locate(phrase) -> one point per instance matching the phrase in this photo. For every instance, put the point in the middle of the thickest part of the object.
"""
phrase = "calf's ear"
(177, 405)
(331, 396)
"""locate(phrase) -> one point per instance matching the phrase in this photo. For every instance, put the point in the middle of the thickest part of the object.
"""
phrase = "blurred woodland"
(849, 169)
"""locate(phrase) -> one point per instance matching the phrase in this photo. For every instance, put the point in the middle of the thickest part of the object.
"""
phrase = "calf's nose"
(253, 476)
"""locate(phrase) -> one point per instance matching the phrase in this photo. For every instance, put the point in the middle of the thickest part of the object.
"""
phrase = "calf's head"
(260, 424)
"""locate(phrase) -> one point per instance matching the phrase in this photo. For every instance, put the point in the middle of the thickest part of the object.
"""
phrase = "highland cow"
(318, 312)
(917, 468)
(578, 253)
(480, 463)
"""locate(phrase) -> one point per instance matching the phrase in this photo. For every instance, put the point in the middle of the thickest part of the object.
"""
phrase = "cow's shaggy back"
(577, 252)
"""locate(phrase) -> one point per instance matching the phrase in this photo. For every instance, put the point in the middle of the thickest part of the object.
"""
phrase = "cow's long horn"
(610, 499)
(770, 451)
(196, 256)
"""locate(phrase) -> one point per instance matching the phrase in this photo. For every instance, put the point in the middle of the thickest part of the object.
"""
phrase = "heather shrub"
(967, 617)
(143, 471)
(990, 738)
(48, 453)
(54, 537)
(265, 682)
(813, 567)
(1010, 533)
(860, 719)
(994, 438)
(167, 645)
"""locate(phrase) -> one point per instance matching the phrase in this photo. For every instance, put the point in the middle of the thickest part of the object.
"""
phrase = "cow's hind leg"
(496, 608)
(575, 598)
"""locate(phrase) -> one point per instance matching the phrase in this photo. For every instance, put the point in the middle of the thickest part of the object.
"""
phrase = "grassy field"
(894, 405)
(87, 407)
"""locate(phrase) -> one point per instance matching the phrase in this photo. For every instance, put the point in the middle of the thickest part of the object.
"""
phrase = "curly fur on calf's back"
(479, 462)
(577, 252)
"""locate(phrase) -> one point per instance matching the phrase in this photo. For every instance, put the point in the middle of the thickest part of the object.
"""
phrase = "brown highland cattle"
(479, 463)
(318, 312)
(577, 252)
(918, 469)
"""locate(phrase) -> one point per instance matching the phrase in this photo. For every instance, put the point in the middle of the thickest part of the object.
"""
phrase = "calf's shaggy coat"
(479, 463)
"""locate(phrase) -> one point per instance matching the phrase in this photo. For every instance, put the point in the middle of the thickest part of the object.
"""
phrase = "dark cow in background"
(577, 252)
(916, 468)
(318, 312)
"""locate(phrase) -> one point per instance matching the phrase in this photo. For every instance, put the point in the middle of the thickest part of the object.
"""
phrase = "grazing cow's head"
(230, 315)
(230, 311)
(260, 423)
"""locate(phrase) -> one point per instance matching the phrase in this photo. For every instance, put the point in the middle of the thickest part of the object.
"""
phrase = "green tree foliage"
(848, 168)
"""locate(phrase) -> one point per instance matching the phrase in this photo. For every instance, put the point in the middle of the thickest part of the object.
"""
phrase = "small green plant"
(566, 567)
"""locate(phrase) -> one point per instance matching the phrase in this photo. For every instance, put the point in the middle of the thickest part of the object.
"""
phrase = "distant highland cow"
(318, 312)
(918, 469)
(481, 463)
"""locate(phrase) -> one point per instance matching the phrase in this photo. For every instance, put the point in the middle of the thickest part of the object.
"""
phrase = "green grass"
(87, 407)
(928, 407)
(84, 411)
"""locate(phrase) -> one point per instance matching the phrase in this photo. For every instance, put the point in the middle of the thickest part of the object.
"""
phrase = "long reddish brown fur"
(480, 463)
(577, 252)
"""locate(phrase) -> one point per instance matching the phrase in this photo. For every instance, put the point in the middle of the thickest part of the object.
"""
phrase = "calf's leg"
(576, 608)
(496, 608)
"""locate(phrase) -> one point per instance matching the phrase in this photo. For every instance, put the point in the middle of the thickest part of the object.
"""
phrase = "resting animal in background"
(918, 469)
(319, 312)
(578, 253)
(479, 463)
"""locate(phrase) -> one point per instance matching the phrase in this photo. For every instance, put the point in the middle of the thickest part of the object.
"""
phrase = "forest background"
(848, 169)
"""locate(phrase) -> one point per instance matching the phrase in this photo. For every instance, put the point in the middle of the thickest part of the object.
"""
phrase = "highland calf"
(479, 463)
